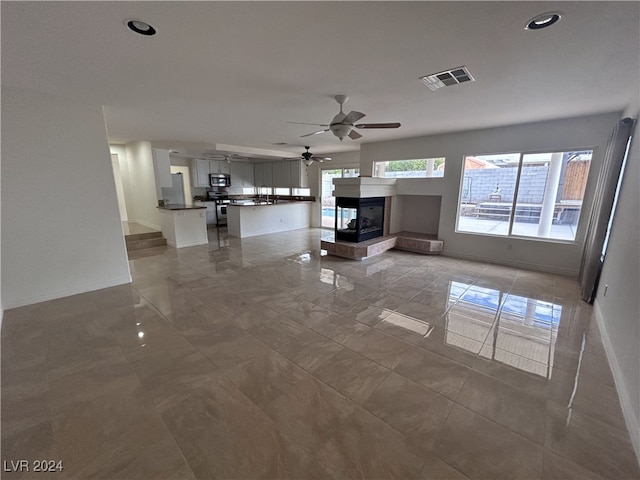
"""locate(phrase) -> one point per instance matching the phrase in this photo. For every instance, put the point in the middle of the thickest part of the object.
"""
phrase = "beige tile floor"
(261, 358)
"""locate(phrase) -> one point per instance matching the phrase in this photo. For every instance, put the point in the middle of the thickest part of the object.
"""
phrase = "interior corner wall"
(564, 134)
(618, 312)
(338, 160)
(61, 229)
(140, 185)
(418, 213)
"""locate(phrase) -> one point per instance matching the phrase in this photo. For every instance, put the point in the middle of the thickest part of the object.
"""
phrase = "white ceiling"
(235, 72)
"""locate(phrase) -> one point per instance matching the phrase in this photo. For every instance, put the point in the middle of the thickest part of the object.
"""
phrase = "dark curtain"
(592, 257)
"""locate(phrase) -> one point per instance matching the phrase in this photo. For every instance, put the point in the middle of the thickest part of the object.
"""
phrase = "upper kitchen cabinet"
(162, 167)
(202, 169)
(200, 173)
(219, 166)
(263, 174)
(284, 174)
(247, 175)
(281, 174)
(299, 174)
(242, 174)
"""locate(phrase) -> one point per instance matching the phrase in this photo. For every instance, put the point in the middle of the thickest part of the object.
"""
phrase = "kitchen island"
(184, 225)
(254, 218)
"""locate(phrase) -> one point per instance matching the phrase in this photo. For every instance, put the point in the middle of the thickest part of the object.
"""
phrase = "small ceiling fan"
(308, 158)
(343, 125)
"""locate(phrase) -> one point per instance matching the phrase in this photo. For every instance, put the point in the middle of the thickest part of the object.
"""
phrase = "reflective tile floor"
(261, 358)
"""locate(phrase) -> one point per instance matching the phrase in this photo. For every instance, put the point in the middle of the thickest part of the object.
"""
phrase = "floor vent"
(447, 78)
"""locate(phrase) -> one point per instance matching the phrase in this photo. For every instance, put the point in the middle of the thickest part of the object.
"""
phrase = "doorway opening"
(327, 200)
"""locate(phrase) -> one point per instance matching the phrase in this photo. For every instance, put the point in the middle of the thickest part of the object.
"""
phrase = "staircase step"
(134, 237)
(146, 243)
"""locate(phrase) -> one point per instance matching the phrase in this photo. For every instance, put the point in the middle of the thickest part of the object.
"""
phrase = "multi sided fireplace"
(359, 219)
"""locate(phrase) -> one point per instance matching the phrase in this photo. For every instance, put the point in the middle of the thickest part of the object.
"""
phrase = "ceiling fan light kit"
(308, 158)
(343, 124)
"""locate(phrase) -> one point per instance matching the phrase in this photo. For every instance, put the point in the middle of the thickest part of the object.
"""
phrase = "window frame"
(444, 171)
(522, 154)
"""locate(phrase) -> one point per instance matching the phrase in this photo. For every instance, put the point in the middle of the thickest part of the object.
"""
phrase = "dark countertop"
(291, 198)
(179, 206)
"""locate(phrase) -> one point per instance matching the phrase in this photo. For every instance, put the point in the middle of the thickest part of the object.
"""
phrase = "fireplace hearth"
(359, 219)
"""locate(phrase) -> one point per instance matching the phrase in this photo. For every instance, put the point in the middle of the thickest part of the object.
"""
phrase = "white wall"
(122, 204)
(618, 313)
(140, 185)
(564, 134)
(61, 230)
(418, 213)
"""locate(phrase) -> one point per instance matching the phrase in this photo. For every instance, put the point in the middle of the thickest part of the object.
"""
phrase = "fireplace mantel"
(364, 187)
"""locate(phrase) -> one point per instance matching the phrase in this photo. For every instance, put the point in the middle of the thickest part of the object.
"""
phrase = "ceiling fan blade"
(318, 124)
(321, 159)
(314, 133)
(351, 117)
(353, 135)
(377, 125)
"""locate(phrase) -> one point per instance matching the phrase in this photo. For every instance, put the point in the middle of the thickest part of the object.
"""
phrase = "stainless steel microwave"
(219, 180)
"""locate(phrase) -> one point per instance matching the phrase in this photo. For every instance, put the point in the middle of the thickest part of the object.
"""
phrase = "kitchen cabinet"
(299, 174)
(263, 174)
(281, 174)
(258, 174)
(284, 174)
(200, 173)
(202, 168)
(268, 174)
(210, 212)
(242, 174)
(247, 174)
(224, 167)
(219, 166)
(236, 174)
(162, 168)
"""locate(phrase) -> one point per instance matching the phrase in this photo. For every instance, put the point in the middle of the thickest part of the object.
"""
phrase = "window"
(527, 195)
(327, 199)
(417, 168)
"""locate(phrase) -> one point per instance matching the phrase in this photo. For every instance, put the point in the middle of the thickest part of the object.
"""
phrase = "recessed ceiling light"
(141, 27)
(543, 20)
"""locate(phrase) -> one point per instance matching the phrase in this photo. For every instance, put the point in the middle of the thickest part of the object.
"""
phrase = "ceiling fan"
(343, 125)
(308, 158)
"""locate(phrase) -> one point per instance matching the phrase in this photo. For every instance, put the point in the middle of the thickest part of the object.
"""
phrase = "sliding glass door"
(327, 199)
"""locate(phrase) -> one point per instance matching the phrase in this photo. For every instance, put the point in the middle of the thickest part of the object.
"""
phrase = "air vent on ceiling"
(447, 78)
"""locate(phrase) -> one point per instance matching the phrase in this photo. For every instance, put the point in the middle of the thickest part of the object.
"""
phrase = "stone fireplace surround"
(370, 187)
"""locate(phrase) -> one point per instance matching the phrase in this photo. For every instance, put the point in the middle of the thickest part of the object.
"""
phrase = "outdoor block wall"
(478, 184)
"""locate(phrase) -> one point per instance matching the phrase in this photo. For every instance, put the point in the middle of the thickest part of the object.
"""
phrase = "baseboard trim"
(146, 224)
(23, 301)
(509, 263)
(626, 402)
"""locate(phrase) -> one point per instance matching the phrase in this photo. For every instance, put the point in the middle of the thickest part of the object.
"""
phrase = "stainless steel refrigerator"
(175, 193)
